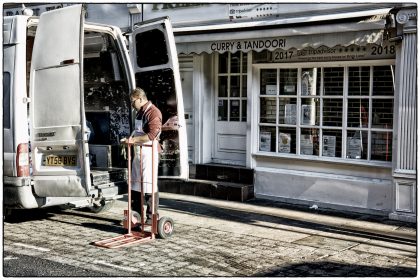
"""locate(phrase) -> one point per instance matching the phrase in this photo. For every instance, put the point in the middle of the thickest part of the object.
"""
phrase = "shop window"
(232, 87)
(328, 112)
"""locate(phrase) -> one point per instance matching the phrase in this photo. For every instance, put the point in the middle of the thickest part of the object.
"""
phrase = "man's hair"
(139, 93)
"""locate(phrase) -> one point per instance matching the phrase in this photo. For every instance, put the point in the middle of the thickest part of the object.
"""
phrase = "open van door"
(155, 63)
(59, 150)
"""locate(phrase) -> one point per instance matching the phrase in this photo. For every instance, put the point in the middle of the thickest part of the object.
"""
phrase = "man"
(147, 128)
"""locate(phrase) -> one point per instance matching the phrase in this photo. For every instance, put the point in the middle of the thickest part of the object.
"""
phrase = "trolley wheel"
(165, 227)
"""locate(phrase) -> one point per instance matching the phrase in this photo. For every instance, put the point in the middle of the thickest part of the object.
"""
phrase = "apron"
(146, 161)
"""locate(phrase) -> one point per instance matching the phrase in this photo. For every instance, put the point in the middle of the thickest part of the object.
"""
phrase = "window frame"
(320, 127)
(243, 87)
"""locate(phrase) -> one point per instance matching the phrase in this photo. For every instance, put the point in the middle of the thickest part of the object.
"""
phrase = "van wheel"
(105, 206)
(165, 227)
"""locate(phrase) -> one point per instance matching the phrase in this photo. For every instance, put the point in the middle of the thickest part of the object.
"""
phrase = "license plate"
(60, 160)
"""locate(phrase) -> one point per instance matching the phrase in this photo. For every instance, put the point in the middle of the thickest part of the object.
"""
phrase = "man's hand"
(127, 141)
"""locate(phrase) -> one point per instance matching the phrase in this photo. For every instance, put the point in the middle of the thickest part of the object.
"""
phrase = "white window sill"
(324, 159)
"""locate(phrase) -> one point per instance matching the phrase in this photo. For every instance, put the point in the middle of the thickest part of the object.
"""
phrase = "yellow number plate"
(60, 160)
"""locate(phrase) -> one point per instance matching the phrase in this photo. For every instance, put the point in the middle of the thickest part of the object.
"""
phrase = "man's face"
(136, 103)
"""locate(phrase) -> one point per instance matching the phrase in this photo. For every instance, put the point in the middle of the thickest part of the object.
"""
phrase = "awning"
(285, 34)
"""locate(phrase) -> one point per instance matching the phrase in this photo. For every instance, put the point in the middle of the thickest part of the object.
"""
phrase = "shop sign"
(251, 11)
(247, 45)
(38, 10)
(337, 53)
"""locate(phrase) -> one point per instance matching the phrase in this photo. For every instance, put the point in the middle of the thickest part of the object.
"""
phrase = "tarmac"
(272, 239)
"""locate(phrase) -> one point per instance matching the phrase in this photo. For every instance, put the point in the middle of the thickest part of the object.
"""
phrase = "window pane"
(223, 62)
(151, 48)
(359, 80)
(287, 110)
(309, 143)
(244, 63)
(358, 113)
(235, 62)
(310, 81)
(310, 111)
(244, 86)
(382, 81)
(268, 110)
(381, 147)
(222, 110)
(287, 140)
(357, 144)
(382, 113)
(223, 86)
(268, 82)
(331, 143)
(243, 110)
(234, 110)
(235, 86)
(332, 112)
(333, 80)
(267, 139)
(288, 81)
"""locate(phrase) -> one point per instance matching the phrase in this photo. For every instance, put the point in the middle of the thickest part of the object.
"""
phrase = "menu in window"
(354, 147)
(265, 141)
(270, 89)
(284, 142)
(328, 148)
(306, 145)
(308, 116)
(290, 114)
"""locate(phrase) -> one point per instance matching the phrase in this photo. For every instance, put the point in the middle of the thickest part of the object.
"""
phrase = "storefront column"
(405, 161)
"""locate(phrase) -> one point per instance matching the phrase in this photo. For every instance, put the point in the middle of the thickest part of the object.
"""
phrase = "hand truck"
(162, 226)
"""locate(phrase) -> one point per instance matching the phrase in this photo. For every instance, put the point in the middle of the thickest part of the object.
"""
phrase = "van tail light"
(22, 160)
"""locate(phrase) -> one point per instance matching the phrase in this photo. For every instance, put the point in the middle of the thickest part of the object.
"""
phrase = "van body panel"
(58, 138)
(155, 64)
(15, 118)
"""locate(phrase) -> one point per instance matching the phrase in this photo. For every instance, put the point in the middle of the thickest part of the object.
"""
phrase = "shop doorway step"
(226, 182)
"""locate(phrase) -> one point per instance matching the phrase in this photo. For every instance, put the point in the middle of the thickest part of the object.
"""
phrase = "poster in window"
(308, 116)
(328, 148)
(354, 147)
(265, 141)
(290, 114)
(284, 142)
(306, 145)
(270, 89)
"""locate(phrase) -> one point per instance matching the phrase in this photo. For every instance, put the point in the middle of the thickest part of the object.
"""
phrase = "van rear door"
(155, 63)
(59, 148)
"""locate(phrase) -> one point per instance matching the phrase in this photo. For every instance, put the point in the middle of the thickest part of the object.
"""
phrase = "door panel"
(60, 166)
(187, 94)
(156, 68)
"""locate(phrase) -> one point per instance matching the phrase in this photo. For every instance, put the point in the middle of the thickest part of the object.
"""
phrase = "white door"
(59, 153)
(155, 63)
(229, 145)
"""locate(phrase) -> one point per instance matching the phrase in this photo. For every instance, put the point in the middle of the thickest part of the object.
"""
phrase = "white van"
(66, 86)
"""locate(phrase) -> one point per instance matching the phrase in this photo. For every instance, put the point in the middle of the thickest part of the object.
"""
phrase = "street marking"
(8, 258)
(32, 247)
(116, 266)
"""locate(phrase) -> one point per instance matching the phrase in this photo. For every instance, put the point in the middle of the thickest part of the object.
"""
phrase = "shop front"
(314, 108)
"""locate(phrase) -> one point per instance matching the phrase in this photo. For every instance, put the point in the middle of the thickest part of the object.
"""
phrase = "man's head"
(138, 98)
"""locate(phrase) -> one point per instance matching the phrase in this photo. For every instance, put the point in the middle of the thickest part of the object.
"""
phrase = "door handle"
(49, 148)
(66, 147)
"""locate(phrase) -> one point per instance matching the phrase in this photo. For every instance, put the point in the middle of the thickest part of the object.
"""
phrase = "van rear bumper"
(17, 193)
(16, 181)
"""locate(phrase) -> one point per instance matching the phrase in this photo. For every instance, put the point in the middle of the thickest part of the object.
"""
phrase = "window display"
(339, 112)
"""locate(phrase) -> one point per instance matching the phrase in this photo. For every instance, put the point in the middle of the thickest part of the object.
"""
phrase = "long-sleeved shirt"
(152, 120)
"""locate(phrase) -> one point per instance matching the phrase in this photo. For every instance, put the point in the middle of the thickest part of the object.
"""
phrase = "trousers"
(147, 207)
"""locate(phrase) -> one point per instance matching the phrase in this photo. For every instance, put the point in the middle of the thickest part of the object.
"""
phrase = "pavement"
(217, 238)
